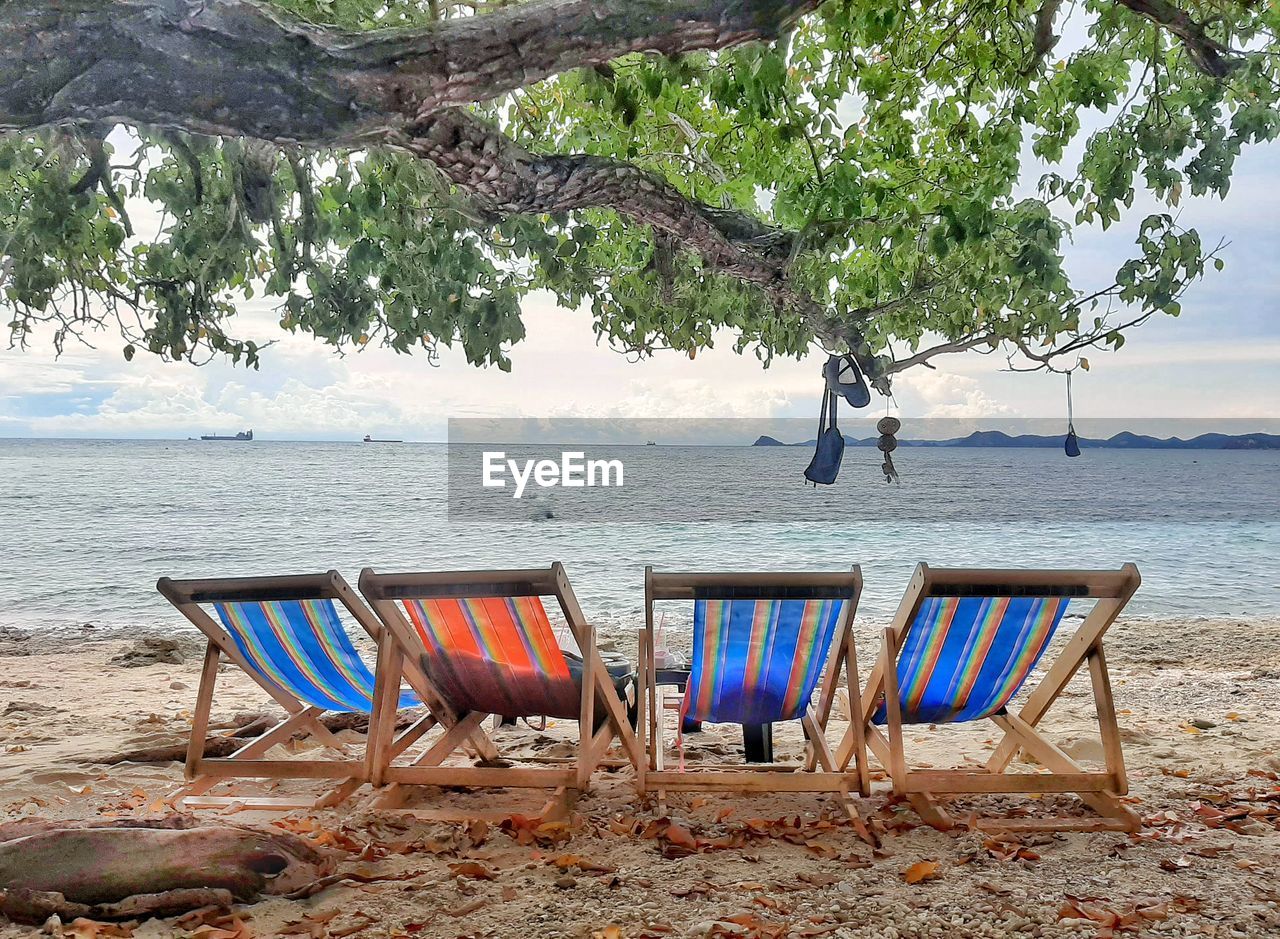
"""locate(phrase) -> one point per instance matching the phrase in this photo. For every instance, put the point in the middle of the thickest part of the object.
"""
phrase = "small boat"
(243, 435)
(651, 443)
(368, 439)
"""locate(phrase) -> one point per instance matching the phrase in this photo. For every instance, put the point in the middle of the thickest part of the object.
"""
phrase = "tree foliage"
(879, 163)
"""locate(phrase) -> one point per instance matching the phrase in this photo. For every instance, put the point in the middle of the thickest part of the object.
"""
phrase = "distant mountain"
(1121, 441)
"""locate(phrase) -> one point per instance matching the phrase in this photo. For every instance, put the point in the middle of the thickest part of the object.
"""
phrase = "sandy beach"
(1197, 701)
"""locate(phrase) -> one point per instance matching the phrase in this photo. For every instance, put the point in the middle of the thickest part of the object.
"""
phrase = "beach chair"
(962, 645)
(486, 647)
(287, 635)
(761, 645)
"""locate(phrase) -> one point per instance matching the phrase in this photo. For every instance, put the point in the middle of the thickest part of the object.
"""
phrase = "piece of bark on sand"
(244, 726)
(128, 868)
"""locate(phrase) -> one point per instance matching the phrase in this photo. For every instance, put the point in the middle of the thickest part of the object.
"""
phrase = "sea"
(87, 526)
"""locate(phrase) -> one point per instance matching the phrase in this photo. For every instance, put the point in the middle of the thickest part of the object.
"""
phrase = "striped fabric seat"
(301, 647)
(965, 657)
(757, 661)
(496, 655)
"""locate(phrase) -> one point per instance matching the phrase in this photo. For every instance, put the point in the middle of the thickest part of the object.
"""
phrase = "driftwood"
(128, 868)
(243, 726)
(173, 753)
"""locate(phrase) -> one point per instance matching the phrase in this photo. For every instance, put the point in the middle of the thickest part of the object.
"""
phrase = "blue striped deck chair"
(767, 648)
(962, 647)
(287, 634)
(485, 645)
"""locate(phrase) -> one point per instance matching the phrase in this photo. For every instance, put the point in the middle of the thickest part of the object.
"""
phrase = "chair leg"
(850, 806)
(927, 807)
(1108, 728)
(643, 676)
(893, 712)
(382, 721)
(339, 793)
(200, 716)
(1106, 804)
(560, 805)
(586, 709)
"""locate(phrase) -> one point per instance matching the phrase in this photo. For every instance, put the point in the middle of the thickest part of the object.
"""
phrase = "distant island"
(1121, 441)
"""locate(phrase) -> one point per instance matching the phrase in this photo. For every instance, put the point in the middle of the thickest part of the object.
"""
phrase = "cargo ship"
(369, 439)
(243, 435)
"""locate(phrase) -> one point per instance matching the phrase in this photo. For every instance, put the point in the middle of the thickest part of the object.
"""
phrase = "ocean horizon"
(91, 525)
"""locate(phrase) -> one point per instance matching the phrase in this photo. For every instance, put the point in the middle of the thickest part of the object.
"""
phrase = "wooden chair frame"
(819, 772)
(406, 650)
(302, 719)
(1101, 791)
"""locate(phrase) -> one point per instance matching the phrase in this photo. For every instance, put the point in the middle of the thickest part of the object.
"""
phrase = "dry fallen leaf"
(527, 831)
(567, 861)
(91, 929)
(472, 869)
(226, 928)
(477, 831)
(921, 871)
(680, 836)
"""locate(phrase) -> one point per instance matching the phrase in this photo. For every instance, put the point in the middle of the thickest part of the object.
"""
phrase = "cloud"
(928, 393)
(693, 398)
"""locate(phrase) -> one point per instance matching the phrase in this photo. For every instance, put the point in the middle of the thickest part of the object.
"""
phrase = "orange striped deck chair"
(961, 648)
(762, 644)
(484, 643)
(288, 635)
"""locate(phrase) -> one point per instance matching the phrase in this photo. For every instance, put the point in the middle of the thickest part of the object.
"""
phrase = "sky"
(1219, 359)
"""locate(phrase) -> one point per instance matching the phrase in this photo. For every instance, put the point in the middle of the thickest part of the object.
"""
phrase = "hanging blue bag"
(1071, 446)
(829, 451)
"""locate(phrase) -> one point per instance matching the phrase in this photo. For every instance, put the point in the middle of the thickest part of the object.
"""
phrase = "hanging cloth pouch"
(825, 465)
(1072, 445)
(843, 377)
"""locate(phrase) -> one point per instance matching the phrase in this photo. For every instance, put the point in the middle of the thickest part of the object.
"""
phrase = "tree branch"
(478, 58)
(1045, 38)
(922, 357)
(1209, 55)
(504, 179)
(234, 68)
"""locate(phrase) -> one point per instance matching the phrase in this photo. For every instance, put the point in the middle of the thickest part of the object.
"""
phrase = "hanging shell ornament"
(887, 427)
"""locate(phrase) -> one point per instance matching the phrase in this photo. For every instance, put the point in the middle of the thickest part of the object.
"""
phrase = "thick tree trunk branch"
(233, 68)
(505, 179)
(476, 58)
(1209, 55)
